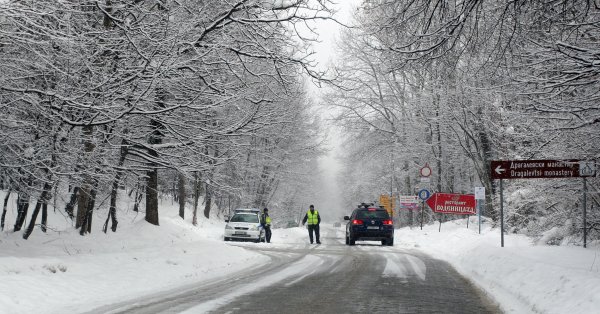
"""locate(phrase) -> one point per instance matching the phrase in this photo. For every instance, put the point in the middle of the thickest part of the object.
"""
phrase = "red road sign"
(448, 203)
(529, 169)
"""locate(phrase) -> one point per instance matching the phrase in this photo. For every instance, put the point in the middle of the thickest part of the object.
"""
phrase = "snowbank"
(63, 272)
(522, 277)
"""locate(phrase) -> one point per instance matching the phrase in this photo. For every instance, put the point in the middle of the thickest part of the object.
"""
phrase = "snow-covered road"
(327, 278)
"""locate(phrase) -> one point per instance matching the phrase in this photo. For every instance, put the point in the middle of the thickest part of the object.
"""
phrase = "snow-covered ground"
(521, 277)
(62, 272)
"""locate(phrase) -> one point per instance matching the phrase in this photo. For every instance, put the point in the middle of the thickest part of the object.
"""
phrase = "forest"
(207, 100)
(457, 84)
(192, 99)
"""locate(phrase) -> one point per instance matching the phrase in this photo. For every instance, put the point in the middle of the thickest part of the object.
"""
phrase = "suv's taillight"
(357, 222)
(388, 222)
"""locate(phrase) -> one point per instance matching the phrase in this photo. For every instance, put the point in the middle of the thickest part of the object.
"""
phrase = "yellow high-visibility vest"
(312, 218)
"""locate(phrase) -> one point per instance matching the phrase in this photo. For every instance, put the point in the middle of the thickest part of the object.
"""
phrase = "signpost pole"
(440, 230)
(501, 215)
(468, 218)
(479, 214)
(584, 213)
(422, 209)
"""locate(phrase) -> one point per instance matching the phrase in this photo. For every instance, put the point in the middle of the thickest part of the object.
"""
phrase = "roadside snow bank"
(63, 272)
(522, 277)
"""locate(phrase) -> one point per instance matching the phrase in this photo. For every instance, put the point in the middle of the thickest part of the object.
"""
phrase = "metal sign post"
(422, 209)
(479, 215)
(501, 215)
(586, 169)
(584, 213)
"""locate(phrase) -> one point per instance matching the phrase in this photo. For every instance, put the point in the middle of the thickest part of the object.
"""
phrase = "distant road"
(327, 278)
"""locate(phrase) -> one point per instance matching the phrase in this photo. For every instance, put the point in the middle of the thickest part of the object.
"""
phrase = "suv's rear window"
(253, 218)
(375, 214)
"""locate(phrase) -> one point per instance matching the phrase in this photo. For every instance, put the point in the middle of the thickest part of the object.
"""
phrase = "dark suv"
(369, 223)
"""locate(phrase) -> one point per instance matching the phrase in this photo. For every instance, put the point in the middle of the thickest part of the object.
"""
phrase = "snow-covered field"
(63, 272)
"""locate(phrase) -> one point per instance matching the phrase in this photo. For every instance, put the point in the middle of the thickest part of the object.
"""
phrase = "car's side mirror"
(226, 220)
(346, 218)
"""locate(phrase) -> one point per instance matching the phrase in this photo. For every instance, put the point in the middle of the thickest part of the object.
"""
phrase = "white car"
(244, 225)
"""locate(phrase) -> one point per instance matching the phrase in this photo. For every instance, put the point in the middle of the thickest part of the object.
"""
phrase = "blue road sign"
(424, 194)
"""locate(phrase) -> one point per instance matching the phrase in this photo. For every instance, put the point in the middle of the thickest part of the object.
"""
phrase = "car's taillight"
(388, 222)
(357, 222)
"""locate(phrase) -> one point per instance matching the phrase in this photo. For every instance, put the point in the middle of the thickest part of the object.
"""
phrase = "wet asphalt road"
(328, 278)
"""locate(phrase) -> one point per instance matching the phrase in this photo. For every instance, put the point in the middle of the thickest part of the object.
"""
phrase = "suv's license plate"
(239, 232)
(372, 227)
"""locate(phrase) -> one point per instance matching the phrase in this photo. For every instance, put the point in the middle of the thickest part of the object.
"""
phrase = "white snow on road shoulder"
(522, 277)
(63, 272)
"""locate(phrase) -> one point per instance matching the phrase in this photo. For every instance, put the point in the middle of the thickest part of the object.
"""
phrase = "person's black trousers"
(314, 228)
(268, 234)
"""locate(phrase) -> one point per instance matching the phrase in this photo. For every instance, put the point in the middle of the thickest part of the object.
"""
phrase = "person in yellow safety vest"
(313, 219)
(265, 220)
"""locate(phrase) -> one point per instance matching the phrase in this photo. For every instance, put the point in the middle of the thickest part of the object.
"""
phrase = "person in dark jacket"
(265, 220)
(313, 219)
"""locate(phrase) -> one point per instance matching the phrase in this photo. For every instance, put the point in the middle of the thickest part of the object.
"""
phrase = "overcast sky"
(329, 202)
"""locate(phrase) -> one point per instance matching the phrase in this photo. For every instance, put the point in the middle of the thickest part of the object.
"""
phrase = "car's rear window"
(374, 214)
(239, 217)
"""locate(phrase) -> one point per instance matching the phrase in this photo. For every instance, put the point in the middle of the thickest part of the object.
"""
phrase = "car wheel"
(384, 242)
(347, 241)
(352, 241)
(390, 242)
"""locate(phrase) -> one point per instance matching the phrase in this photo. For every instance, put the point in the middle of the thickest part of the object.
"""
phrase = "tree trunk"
(29, 229)
(181, 193)
(86, 187)
(112, 211)
(71, 205)
(152, 197)
(207, 200)
(4, 210)
(156, 137)
(22, 207)
(44, 216)
(82, 204)
(138, 199)
(175, 191)
(41, 200)
(196, 196)
(86, 226)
